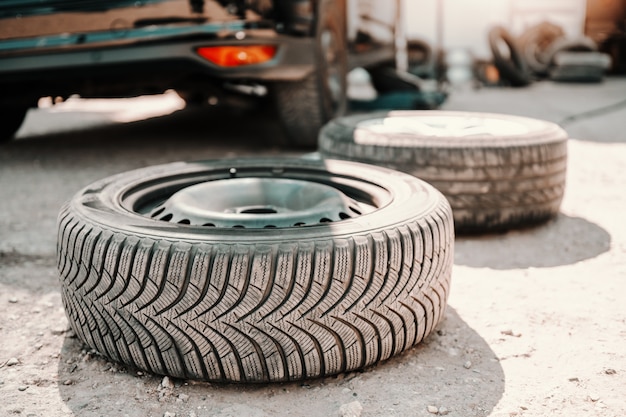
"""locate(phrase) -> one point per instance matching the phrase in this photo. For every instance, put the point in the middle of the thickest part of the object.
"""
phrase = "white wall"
(467, 22)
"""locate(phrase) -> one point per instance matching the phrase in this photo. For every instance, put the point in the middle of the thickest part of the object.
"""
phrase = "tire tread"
(254, 312)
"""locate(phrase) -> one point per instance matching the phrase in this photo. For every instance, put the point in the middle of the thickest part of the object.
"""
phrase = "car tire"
(579, 44)
(305, 106)
(580, 66)
(512, 67)
(535, 42)
(498, 171)
(147, 282)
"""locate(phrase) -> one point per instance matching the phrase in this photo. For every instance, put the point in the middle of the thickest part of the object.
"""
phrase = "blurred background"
(465, 24)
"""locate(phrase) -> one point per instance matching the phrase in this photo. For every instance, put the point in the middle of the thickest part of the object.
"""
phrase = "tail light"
(236, 56)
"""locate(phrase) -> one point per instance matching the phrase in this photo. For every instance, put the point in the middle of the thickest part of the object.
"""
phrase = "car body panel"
(64, 47)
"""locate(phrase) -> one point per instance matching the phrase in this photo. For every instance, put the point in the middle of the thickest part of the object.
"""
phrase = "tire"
(419, 52)
(145, 284)
(580, 66)
(580, 44)
(498, 171)
(513, 67)
(535, 42)
(387, 79)
(12, 119)
(422, 59)
(305, 106)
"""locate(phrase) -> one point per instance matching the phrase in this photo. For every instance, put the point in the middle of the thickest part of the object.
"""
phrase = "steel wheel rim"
(329, 199)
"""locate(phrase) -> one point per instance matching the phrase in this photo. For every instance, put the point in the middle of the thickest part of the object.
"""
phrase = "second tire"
(498, 171)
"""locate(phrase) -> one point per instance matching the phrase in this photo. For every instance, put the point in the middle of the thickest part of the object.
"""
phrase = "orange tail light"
(236, 56)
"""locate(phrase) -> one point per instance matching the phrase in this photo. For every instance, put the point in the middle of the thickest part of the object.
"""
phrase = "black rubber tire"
(388, 80)
(12, 119)
(493, 183)
(580, 67)
(255, 305)
(419, 52)
(305, 106)
(512, 68)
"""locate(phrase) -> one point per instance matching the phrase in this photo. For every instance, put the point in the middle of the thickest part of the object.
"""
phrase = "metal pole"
(439, 41)
(402, 55)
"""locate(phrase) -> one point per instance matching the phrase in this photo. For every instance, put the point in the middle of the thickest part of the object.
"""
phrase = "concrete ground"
(536, 323)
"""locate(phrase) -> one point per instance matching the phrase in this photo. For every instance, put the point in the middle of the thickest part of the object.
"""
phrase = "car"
(295, 53)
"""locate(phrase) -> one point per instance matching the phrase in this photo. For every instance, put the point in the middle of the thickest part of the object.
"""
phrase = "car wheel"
(511, 66)
(12, 119)
(255, 270)
(497, 171)
(304, 106)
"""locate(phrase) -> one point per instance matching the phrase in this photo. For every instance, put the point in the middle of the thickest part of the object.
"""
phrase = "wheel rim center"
(257, 203)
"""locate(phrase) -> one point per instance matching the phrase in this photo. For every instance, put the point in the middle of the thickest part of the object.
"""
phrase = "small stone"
(67, 382)
(12, 362)
(573, 379)
(139, 373)
(443, 411)
(594, 397)
(183, 397)
(510, 332)
(353, 409)
(346, 390)
(467, 365)
(13, 300)
(168, 414)
(432, 409)
(610, 371)
(22, 387)
(167, 383)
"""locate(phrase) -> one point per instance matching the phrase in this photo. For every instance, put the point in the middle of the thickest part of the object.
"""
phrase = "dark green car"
(296, 52)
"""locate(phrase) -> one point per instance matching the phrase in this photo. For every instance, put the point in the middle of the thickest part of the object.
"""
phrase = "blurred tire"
(512, 67)
(580, 44)
(534, 43)
(580, 66)
(498, 171)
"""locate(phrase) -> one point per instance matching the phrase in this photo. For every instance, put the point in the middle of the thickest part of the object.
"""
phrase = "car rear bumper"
(293, 59)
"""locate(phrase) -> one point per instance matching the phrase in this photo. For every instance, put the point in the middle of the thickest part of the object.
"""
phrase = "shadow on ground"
(433, 374)
(189, 134)
(564, 240)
